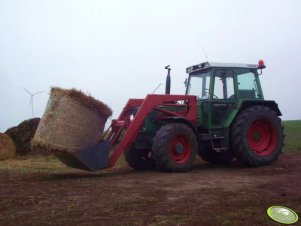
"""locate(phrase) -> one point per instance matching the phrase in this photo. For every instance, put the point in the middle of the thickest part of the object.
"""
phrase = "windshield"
(198, 84)
(247, 84)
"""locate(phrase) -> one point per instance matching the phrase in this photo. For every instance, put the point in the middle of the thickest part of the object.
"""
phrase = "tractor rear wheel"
(257, 136)
(139, 159)
(174, 147)
(212, 156)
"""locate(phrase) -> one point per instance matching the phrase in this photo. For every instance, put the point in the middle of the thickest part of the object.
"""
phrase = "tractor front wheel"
(257, 136)
(174, 147)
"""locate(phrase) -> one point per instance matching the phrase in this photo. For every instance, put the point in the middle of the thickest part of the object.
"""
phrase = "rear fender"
(241, 105)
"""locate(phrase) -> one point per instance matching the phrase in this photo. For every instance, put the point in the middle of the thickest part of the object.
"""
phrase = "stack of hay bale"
(16, 140)
(7, 147)
(72, 121)
(22, 136)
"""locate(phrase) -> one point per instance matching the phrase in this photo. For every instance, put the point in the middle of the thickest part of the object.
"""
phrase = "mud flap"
(91, 158)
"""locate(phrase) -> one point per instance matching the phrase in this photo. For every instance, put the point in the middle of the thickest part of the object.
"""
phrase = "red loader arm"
(123, 131)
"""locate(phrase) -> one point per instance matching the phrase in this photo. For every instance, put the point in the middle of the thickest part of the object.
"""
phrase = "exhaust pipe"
(167, 84)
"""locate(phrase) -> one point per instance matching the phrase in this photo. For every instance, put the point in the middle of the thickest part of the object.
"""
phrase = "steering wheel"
(207, 93)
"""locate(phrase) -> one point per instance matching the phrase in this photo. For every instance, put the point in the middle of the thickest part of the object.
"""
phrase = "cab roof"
(207, 65)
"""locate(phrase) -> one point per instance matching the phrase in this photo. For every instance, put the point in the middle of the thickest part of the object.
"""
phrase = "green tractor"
(222, 116)
(232, 121)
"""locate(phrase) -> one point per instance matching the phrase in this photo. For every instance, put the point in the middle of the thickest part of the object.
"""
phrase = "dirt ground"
(207, 195)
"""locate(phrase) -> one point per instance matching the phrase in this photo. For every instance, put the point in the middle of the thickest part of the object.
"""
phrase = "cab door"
(223, 96)
(199, 85)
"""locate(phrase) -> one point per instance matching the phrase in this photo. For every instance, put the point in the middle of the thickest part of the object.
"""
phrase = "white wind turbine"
(31, 99)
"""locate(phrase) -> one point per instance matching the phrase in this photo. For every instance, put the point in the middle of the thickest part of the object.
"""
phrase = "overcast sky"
(116, 50)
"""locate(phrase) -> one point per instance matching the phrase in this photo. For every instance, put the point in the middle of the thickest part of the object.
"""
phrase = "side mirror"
(186, 82)
(259, 71)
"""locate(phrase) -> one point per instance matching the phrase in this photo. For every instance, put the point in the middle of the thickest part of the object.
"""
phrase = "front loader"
(222, 116)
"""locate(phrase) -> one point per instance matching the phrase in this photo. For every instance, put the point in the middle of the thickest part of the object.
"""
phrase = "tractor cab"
(220, 88)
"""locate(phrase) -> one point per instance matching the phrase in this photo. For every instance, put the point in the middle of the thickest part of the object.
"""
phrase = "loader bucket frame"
(123, 130)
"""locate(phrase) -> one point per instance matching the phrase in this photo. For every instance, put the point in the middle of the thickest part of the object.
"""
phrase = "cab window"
(223, 84)
(198, 84)
(247, 84)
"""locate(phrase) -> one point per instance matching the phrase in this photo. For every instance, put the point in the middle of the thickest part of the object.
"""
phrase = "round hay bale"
(7, 147)
(71, 121)
(23, 134)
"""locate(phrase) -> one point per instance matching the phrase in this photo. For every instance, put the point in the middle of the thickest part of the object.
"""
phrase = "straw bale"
(7, 147)
(23, 134)
(71, 121)
(83, 99)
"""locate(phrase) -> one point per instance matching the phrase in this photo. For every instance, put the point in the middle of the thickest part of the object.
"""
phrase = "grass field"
(292, 130)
